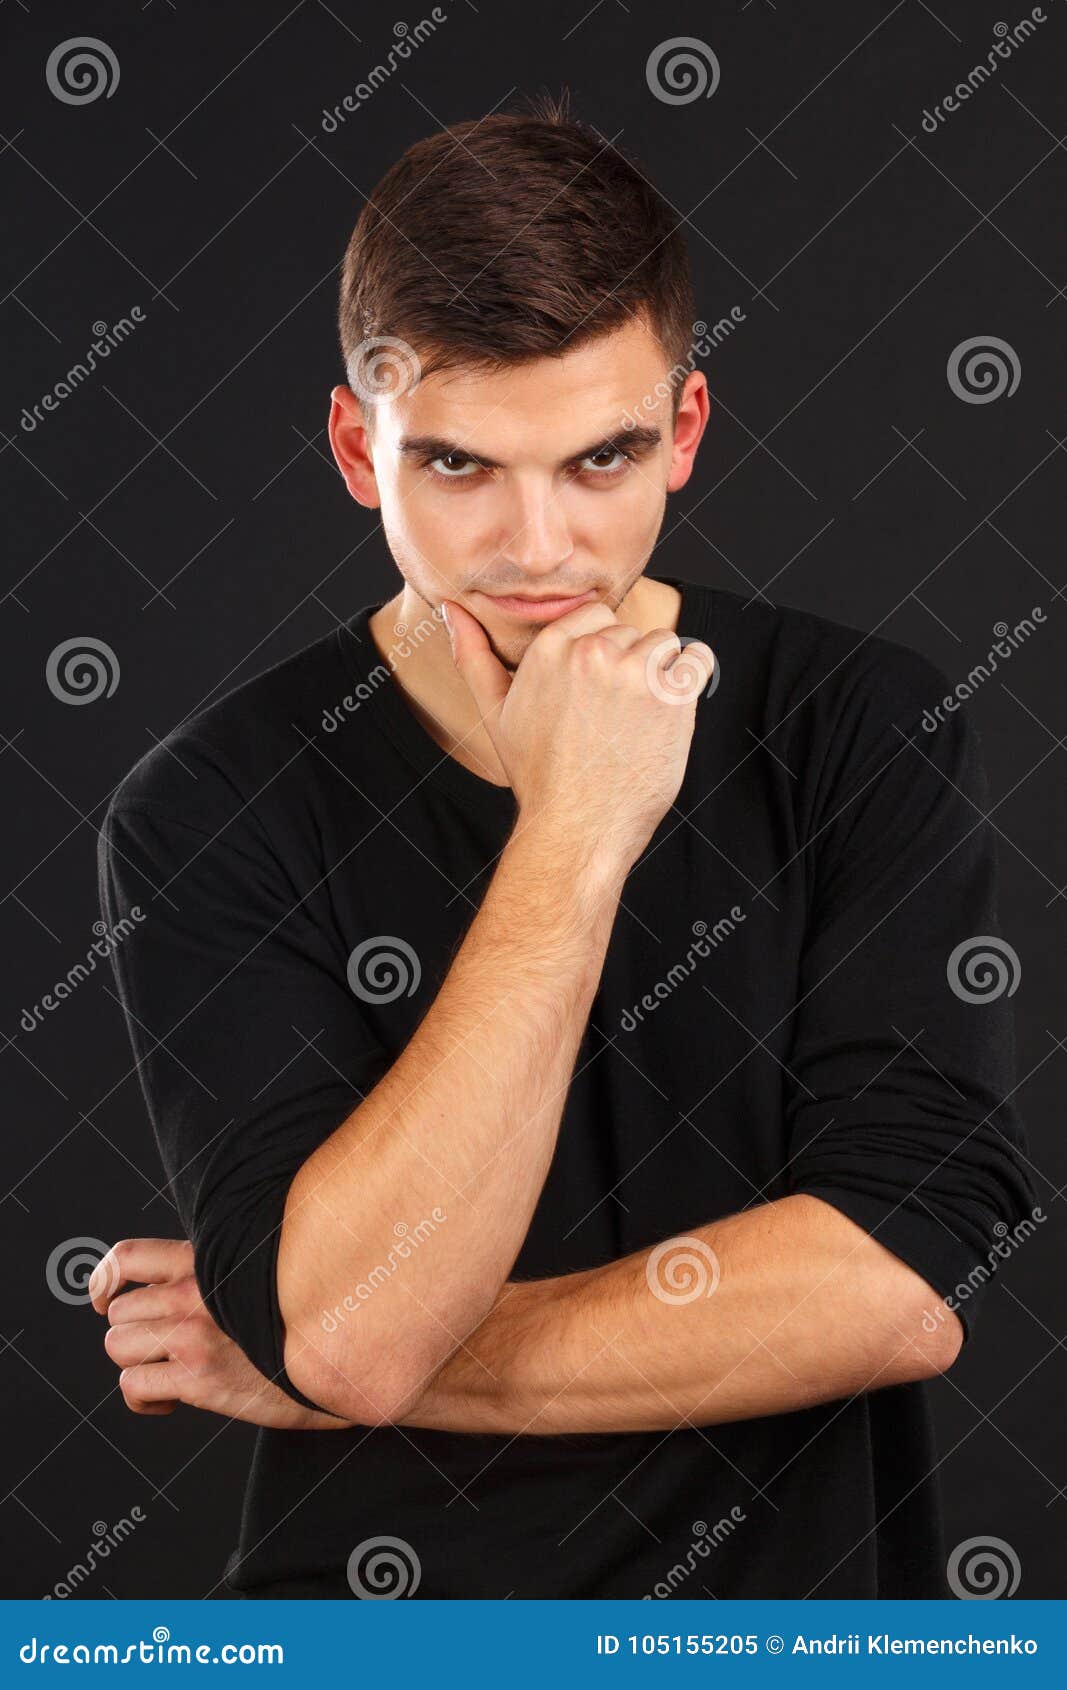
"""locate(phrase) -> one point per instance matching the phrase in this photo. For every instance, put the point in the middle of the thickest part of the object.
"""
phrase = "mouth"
(530, 609)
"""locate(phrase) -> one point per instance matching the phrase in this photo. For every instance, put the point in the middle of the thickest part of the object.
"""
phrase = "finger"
(696, 663)
(674, 673)
(147, 1261)
(150, 1389)
(137, 1341)
(485, 675)
(587, 619)
(622, 634)
(169, 1302)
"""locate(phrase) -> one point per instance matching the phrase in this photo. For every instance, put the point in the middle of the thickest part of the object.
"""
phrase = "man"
(553, 1046)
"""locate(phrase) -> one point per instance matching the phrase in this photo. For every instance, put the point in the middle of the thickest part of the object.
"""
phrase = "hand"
(593, 730)
(169, 1347)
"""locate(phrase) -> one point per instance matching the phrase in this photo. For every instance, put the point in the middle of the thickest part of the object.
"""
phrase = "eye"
(616, 460)
(457, 466)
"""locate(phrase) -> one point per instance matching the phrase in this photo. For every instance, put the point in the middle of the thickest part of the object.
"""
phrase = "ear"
(351, 447)
(693, 409)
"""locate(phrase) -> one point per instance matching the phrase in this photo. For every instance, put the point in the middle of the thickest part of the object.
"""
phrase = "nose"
(537, 533)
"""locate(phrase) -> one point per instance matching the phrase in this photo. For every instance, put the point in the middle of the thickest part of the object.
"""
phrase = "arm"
(295, 1160)
(171, 1351)
(762, 1313)
(464, 1123)
(465, 1120)
(765, 1312)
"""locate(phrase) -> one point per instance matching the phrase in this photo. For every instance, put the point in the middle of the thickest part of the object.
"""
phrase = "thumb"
(486, 677)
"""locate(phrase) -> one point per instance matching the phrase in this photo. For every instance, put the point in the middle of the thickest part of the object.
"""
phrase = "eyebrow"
(429, 446)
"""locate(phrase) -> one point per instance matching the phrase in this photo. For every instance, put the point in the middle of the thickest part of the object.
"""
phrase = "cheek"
(618, 523)
(423, 525)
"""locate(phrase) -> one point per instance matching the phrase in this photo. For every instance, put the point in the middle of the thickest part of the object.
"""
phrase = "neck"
(415, 644)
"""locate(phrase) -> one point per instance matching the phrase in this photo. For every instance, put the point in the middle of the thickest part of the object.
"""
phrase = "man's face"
(532, 481)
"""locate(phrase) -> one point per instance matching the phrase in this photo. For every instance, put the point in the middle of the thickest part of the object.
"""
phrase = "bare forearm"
(795, 1305)
(455, 1140)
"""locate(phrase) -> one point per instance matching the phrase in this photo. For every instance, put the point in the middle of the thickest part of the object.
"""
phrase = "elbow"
(949, 1340)
(374, 1391)
(927, 1338)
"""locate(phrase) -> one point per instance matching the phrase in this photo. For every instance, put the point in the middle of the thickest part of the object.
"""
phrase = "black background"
(183, 507)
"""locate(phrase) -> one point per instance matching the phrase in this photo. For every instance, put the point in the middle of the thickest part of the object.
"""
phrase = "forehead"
(540, 408)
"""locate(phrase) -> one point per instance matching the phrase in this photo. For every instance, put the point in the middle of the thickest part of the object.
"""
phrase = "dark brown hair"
(516, 236)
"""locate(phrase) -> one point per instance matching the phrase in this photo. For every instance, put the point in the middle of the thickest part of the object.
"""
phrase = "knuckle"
(187, 1295)
(192, 1351)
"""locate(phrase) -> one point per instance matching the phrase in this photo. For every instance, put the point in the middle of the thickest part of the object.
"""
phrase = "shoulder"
(224, 755)
(804, 647)
(816, 677)
(240, 763)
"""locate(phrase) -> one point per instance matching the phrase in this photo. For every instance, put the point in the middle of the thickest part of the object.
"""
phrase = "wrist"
(583, 870)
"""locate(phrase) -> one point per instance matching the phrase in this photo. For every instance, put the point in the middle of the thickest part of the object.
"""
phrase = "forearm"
(456, 1138)
(804, 1307)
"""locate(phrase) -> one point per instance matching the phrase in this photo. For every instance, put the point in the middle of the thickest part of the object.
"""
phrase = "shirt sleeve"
(250, 1047)
(901, 1110)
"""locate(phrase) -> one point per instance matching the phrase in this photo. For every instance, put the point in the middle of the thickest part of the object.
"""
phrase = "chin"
(511, 652)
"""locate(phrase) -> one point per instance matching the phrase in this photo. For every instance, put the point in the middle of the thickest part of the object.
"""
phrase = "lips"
(530, 609)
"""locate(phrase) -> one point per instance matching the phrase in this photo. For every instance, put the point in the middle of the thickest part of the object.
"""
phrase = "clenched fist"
(169, 1348)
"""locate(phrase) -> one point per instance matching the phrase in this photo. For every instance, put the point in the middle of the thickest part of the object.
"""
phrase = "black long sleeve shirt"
(776, 1014)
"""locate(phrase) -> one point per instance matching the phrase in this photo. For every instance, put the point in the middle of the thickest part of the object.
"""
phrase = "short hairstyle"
(516, 236)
